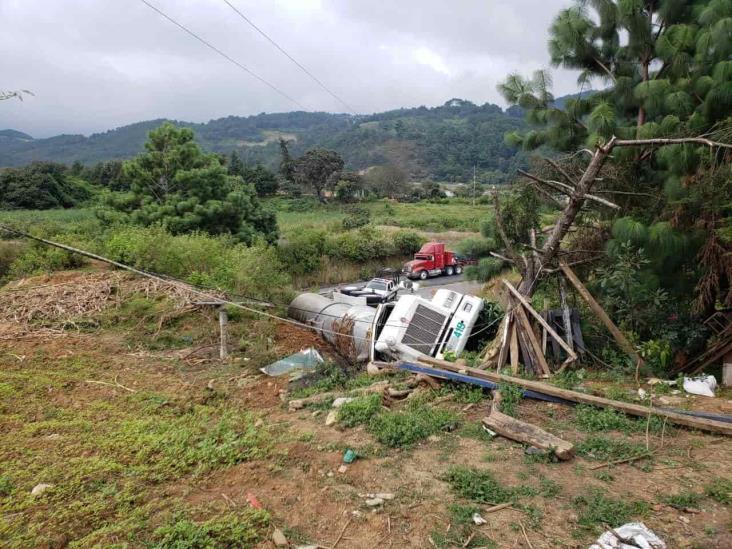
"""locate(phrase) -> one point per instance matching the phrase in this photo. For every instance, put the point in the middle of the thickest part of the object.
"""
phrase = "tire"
(449, 271)
(423, 275)
(459, 269)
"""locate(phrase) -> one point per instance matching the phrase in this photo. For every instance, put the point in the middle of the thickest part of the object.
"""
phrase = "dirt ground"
(300, 482)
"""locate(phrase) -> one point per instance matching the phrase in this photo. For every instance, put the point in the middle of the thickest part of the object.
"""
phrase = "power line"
(276, 45)
(222, 54)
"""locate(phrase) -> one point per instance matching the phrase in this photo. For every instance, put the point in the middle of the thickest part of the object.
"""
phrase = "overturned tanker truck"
(406, 329)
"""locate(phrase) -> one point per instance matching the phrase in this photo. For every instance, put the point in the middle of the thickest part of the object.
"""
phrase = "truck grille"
(424, 330)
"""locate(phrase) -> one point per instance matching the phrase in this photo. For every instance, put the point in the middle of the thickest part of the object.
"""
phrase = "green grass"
(596, 510)
(720, 490)
(359, 411)
(235, 530)
(591, 419)
(511, 396)
(112, 451)
(463, 393)
(682, 500)
(407, 427)
(475, 430)
(479, 486)
(609, 449)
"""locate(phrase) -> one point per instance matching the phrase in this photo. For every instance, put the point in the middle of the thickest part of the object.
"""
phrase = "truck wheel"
(459, 269)
(449, 270)
(423, 275)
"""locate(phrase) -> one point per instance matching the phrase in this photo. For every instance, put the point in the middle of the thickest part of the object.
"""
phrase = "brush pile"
(62, 301)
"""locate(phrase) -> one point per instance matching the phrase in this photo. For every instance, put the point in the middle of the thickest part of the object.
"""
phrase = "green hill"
(441, 143)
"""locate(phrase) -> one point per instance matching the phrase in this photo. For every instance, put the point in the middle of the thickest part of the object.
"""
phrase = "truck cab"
(432, 260)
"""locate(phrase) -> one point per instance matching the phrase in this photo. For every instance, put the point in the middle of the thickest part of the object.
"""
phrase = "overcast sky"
(99, 64)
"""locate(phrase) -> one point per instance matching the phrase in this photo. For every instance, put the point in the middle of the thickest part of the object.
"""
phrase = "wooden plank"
(503, 352)
(565, 312)
(223, 324)
(584, 398)
(528, 332)
(527, 433)
(601, 314)
(541, 321)
(514, 351)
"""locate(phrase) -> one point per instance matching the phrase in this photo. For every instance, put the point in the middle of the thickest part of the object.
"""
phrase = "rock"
(259, 422)
(331, 418)
(340, 401)
(38, 489)
(533, 451)
(330, 474)
(372, 369)
(671, 400)
(374, 502)
(433, 438)
(342, 469)
(296, 405)
(356, 513)
(316, 413)
(53, 436)
(279, 538)
(684, 519)
(379, 495)
(478, 520)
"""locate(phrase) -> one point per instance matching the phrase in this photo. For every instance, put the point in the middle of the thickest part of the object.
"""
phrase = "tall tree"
(175, 184)
(318, 169)
(387, 180)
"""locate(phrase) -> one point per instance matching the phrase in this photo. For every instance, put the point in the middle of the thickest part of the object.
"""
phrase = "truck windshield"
(423, 256)
(374, 285)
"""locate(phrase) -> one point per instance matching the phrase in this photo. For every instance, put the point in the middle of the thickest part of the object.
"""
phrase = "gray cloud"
(99, 64)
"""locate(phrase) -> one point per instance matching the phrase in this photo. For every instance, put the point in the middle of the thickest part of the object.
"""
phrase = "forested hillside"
(442, 143)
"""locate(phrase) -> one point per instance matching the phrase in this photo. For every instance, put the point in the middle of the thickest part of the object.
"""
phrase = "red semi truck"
(432, 260)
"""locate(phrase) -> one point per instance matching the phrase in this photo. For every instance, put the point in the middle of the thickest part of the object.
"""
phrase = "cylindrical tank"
(346, 326)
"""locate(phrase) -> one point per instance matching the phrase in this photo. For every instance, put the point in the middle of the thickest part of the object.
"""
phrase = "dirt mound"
(63, 298)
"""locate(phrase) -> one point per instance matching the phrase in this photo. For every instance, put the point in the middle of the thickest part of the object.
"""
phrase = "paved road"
(427, 288)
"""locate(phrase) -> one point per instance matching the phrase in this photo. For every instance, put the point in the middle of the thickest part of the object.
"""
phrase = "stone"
(340, 401)
(296, 405)
(38, 489)
(374, 502)
(279, 539)
(342, 469)
(331, 418)
(433, 438)
(53, 436)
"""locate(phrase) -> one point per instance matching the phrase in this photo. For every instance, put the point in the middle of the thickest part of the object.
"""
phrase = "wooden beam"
(619, 337)
(514, 351)
(528, 332)
(566, 314)
(223, 323)
(543, 322)
(527, 433)
(678, 418)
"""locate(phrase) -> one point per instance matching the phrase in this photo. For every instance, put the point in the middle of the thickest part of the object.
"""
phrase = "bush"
(356, 216)
(39, 259)
(9, 252)
(411, 425)
(408, 242)
(486, 269)
(210, 261)
(302, 254)
(360, 410)
(476, 246)
(359, 245)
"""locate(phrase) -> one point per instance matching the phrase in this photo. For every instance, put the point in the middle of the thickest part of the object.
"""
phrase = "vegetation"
(407, 427)
(597, 511)
(176, 185)
(359, 411)
(41, 186)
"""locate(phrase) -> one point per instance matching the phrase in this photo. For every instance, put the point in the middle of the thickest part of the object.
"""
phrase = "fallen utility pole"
(544, 389)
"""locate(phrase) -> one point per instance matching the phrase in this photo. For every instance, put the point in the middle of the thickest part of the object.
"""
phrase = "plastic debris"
(632, 535)
(305, 360)
(253, 501)
(340, 401)
(349, 456)
(701, 385)
(478, 520)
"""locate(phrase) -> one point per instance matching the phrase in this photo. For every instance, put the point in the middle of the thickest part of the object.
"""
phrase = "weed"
(474, 429)
(591, 419)
(406, 427)
(549, 488)
(462, 514)
(232, 530)
(597, 510)
(480, 486)
(604, 476)
(569, 379)
(360, 410)
(511, 395)
(615, 392)
(463, 394)
(6, 485)
(683, 499)
(609, 449)
(720, 490)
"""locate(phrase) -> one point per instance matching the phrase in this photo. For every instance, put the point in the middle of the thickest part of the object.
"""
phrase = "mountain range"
(442, 143)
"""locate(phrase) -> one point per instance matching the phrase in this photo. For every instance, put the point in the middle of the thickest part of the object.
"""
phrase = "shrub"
(411, 425)
(359, 245)
(511, 396)
(480, 486)
(356, 216)
(486, 269)
(408, 242)
(598, 511)
(9, 252)
(303, 253)
(40, 258)
(359, 411)
(476, 246)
